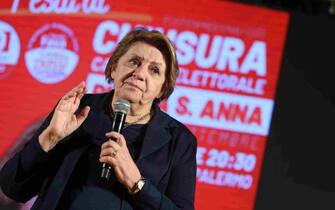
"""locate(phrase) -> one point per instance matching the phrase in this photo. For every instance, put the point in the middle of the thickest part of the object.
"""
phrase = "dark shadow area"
(299, 158)
(308, 7)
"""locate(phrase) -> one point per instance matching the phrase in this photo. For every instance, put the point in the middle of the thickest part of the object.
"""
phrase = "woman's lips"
(133, 85)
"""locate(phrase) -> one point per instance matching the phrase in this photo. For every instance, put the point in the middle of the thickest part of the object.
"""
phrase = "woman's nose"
(139, 72)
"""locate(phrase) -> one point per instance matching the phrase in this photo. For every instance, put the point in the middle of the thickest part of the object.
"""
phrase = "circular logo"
(52, 53)
(9, 49)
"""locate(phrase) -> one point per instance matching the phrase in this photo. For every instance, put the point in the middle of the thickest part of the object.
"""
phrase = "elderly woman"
(152, 158)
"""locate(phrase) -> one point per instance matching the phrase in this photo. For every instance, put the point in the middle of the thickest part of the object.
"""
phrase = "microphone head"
(121, 105)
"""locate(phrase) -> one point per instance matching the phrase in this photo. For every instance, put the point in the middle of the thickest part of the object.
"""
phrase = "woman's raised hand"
(65, 120)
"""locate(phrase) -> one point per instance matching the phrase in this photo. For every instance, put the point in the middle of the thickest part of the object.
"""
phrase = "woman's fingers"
(78, 98)
(80, 92)
(71, 100)
(81, 85)
(116, 135)
(122, 142)
(110, 144)
(113, 134)
(119, 138)
(83, 115)
(79, 89)
(109, 160)
(109, 152)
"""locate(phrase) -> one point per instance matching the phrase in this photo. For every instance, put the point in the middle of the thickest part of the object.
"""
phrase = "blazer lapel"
(156, 135)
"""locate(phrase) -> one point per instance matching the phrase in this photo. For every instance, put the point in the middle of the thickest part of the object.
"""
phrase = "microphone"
(121, 108)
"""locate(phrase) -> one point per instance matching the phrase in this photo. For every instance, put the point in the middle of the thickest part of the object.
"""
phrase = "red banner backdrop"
(229, 56)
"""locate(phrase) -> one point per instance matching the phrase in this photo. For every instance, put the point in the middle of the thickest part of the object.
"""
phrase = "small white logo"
(69, 6)
(52, 53)
(9, 49)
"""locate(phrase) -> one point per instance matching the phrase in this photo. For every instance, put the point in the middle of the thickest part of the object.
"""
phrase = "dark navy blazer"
(167, 160)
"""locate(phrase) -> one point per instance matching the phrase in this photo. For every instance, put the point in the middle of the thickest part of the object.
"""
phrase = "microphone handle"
(118, 122)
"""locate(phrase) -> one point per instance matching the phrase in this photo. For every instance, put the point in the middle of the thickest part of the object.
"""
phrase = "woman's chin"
(134, 97)
(131, 96)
